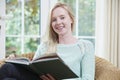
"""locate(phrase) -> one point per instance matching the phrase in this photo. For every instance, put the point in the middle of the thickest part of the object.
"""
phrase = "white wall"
(45, 8)
(99, 49)
(2, 30)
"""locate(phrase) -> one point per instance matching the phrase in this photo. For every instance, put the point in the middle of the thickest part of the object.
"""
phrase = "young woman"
(77, 54)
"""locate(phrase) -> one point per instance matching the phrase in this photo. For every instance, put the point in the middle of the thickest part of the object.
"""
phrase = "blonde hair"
(51, 37)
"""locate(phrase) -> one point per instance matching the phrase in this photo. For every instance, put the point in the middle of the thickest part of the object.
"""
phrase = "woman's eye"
(53, 20)
(62, 17)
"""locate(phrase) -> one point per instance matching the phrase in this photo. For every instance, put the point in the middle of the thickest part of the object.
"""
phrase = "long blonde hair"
(51, 37)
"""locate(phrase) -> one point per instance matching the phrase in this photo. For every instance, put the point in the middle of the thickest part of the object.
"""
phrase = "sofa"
(104, 70)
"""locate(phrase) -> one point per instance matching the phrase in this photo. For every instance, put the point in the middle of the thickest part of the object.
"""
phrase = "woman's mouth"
(60, 28)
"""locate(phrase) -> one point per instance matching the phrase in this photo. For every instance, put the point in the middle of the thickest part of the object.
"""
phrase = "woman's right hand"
(11, 56)
(47, 77)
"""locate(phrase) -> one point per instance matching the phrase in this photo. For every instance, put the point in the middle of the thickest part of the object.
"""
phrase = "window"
(22, 26)
(26, 22)
(84, 11)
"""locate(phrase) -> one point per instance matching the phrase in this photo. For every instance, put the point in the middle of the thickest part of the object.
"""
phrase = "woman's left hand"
(47, 77)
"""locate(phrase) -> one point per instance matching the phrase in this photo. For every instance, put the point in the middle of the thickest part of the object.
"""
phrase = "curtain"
(108, 31)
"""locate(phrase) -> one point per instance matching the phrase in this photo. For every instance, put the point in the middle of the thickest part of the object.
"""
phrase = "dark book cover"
(46, 64)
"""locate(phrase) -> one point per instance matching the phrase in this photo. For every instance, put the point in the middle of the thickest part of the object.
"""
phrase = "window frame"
(22, 36)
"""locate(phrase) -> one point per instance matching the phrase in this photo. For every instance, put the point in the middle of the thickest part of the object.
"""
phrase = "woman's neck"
(67, 39)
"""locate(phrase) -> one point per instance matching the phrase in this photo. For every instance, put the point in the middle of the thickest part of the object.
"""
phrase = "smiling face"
(61, 21)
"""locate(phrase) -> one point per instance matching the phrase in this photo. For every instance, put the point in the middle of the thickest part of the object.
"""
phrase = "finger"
(50, 77)
(11, 56)
(43, 77)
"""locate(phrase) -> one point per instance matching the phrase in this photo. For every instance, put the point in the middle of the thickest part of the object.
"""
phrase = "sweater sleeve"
(88, 62)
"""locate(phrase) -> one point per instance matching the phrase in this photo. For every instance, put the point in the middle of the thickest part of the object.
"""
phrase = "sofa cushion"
(106, 70)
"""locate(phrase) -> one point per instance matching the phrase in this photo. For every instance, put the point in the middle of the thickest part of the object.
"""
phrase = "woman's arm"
(88, 62)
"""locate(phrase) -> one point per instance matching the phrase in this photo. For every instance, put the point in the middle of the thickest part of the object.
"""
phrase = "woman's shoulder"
(86, 46)
(85, 43)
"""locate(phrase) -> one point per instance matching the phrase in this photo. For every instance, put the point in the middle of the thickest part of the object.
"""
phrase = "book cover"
(51, 64)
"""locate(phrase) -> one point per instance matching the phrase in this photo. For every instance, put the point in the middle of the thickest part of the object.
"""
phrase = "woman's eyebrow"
(61, 15)
(58, 16)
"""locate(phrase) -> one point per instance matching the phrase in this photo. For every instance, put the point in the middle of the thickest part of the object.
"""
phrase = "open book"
(51, 64)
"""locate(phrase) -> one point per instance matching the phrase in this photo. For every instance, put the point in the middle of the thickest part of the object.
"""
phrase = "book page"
(20, 60)
(47, 55)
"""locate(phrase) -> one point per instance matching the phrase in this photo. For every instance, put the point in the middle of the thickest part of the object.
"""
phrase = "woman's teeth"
(60, 28)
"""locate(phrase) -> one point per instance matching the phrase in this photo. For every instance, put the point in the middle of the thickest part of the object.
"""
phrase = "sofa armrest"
(104, 70)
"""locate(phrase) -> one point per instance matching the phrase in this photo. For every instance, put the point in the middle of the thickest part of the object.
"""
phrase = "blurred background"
(23, 23)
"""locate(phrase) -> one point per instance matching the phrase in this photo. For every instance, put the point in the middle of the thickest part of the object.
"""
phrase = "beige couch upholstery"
(104, 70)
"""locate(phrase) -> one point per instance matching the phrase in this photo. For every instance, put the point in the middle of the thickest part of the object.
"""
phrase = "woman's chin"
(61, 34)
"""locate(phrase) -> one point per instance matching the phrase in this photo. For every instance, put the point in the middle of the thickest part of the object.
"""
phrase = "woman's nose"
(59, 21)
